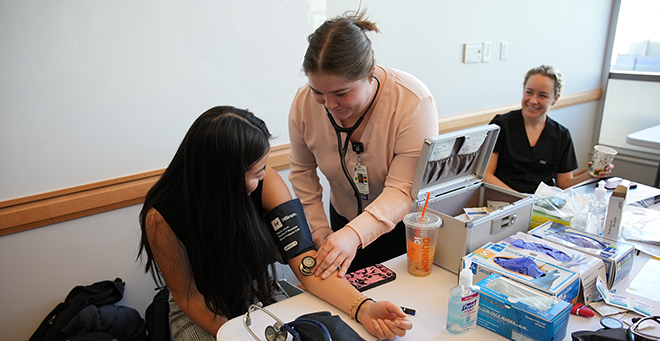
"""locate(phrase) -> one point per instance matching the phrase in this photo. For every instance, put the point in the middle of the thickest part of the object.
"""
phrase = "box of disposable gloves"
(587, 266)
(617, 256)
(524, 267)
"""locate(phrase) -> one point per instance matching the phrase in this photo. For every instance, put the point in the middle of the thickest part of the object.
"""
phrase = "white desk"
(650, 138)
(428, 295)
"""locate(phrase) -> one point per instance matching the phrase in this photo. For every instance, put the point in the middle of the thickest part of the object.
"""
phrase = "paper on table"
(625, 302)
(605, 309)
(647, 281)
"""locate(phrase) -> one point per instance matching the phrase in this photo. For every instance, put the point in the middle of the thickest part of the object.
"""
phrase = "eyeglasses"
(635, 334)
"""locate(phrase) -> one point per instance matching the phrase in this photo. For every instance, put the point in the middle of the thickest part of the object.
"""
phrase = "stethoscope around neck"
(358, 147)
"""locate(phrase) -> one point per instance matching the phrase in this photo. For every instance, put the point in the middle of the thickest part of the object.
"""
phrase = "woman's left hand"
(384, 320)
(337, 252)
(605, 173)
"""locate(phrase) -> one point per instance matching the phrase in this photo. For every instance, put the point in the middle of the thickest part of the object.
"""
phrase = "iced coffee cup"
(421, 235)
(603, 157)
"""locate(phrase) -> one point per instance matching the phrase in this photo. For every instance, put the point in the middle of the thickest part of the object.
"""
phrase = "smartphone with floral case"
(370, 277)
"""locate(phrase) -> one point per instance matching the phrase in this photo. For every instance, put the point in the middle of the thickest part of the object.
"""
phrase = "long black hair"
(227, 243)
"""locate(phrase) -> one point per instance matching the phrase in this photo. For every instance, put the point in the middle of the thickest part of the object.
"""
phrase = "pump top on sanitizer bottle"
(463, 303)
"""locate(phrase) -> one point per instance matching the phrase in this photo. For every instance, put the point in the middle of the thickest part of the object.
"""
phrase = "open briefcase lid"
(454, 160)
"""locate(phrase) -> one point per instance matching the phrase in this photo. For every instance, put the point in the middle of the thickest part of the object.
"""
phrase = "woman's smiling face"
(538, 96)
(345, 100)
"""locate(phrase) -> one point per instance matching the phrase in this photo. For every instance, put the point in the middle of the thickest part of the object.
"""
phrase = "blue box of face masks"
(518, 312)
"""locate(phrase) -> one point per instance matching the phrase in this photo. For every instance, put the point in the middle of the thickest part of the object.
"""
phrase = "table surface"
(649, 137)
(428, 295)
(641, 192)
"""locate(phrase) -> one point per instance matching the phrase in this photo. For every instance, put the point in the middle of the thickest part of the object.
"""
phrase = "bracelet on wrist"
(358, 300)
(357, 234)
(360, 306)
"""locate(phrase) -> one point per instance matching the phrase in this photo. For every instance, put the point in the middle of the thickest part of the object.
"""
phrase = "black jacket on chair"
(98, 295)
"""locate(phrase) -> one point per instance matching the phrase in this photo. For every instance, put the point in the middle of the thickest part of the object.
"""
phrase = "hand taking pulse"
(337, 250)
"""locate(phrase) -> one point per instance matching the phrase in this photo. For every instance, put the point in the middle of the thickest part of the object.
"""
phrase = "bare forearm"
(567, 180)
(334, 290)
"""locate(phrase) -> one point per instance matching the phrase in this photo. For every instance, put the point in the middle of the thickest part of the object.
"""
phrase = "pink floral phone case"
(370, 277)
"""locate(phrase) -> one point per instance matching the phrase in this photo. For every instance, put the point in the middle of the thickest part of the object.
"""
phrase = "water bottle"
(597, 213)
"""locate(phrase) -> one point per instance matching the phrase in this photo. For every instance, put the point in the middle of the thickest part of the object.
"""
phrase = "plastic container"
(597, 213)
(463, 303)
(451, 168)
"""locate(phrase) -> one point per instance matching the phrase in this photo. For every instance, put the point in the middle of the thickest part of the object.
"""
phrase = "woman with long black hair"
(205, 238)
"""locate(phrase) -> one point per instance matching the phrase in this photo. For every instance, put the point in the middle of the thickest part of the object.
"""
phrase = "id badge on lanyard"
(361, 179)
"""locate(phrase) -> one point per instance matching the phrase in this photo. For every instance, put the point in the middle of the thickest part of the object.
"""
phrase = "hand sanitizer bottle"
(597, 213)
(463, 303)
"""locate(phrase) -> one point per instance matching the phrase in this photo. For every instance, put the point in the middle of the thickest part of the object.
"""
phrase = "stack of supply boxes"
(549, 267)
(617, 257)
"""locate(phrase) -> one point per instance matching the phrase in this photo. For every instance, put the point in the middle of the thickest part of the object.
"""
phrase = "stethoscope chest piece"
(306, 265)
(272, 334)
(610, 323)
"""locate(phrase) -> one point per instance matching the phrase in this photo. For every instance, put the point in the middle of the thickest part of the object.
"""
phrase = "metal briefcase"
(451, 167)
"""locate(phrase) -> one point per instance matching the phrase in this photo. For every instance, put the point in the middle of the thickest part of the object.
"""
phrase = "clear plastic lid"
(429, 221)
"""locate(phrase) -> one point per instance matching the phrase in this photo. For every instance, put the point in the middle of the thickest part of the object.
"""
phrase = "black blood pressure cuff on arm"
(289, 227)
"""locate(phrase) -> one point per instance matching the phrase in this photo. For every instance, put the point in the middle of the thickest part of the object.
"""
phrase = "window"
(637, 39)
(631, 101)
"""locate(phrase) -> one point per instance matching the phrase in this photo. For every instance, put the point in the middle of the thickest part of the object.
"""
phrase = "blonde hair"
(550, 72)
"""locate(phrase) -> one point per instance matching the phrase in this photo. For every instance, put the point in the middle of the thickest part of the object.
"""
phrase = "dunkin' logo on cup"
(425, 244)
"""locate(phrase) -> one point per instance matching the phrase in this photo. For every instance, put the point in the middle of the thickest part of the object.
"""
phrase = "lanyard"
(358, 147)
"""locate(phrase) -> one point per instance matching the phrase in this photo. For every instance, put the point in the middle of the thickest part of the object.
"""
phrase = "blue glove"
(580, 240)
(522, 265)
(547, 280)
(577, 260)
(542, 248)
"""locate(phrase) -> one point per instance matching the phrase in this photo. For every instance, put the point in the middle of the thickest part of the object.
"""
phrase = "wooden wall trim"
(53, 207)
(478, 117)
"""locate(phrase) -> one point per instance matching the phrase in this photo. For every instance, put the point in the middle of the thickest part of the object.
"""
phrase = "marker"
(580, 310)
(409, 311)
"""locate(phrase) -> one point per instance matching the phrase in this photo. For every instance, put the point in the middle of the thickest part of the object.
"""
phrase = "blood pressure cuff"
(289, 227)
(337, 328)
(615, 334)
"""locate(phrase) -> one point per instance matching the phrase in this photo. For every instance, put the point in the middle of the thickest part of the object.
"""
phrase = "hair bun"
(360, 19)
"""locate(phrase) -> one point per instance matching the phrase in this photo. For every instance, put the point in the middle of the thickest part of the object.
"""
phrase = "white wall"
(93, 90)
(40, 266)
